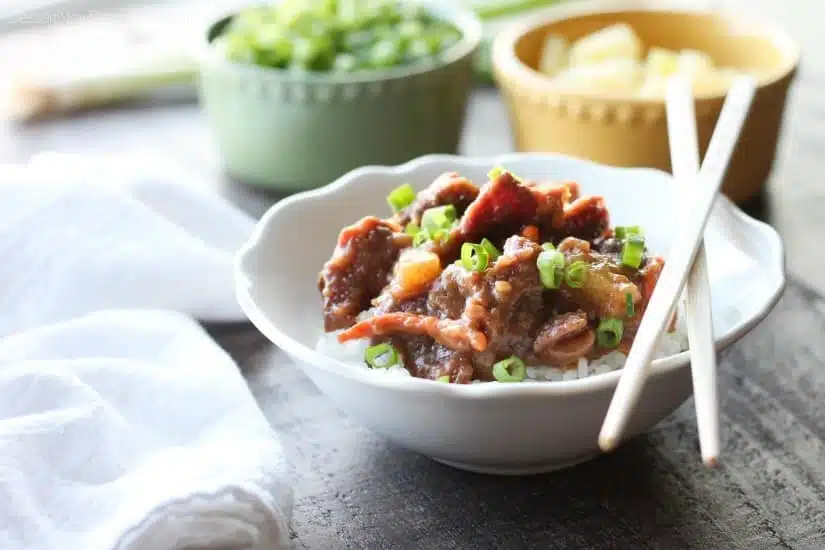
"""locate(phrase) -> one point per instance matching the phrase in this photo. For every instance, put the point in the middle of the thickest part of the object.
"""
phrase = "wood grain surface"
(355, 490)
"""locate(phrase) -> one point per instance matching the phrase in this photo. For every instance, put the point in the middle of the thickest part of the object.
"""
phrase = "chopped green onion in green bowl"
(335, 35)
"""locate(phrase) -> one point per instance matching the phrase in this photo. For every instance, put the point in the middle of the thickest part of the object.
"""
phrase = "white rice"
(669, 344)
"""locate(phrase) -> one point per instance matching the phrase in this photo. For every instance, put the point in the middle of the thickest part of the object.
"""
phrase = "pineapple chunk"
(416, 268)
(654, 86)
(611, 76)
(554, 55)
(695, 64)
(662, 62)
(716, 81)
(615, 41)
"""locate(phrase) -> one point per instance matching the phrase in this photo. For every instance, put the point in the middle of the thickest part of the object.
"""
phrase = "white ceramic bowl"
(492, 427)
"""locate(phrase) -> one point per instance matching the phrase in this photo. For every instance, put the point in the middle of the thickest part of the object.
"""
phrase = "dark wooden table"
(354, 490)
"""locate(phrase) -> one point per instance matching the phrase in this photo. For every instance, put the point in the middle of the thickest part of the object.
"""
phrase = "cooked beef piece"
(506, 206)
(502, 207)
(565, 338)
(551, 201)
(451, 333)
(586, 218)
(359, 268)
(608, 244)
(422, 355)
(502, 204)
(448, 188)
(425, 358)
(605, 289)
(505, 303)
(469, 320)
(450, 292)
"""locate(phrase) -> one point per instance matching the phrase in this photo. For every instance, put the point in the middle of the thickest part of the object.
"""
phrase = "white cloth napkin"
(122, 425)
(80, 234)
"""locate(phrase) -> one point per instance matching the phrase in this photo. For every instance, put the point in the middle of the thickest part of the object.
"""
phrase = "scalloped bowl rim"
(505, 59)
(464, 19)
(586, 384)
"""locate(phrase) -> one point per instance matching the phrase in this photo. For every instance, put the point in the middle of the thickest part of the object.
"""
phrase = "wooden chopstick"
(684, 158)
(679, 261)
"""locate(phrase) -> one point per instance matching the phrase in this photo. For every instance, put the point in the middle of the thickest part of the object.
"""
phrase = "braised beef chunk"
(551, 201)
(586, 218)
(565, 338)
(505, 303)
(451, 318)
(427, 359)
(449, 188)
(515, 306)
(501, 208)
(449, 294)
(359, 268)
(450, 333)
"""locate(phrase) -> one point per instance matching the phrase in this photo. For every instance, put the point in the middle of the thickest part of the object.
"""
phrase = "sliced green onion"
(624, 231)
(491, 249)
(401, 197)
(474, 257)
(381, 356)
(412, 229)
(548, 246)
(511, 369)
(440, 217)
(632, 251)
(551, 268)
(631, 308)
(444, 378)
(495, 172)
(421, 237)
(576, 274)
(609, 333)
(441, 236)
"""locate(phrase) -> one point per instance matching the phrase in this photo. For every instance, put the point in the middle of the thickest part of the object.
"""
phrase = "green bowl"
(290, 131)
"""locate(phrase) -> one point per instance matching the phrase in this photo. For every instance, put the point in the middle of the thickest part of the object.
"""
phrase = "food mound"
(468, 284)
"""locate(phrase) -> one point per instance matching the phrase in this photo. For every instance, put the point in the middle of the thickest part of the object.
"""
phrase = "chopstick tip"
(711, 461)
(607, 443)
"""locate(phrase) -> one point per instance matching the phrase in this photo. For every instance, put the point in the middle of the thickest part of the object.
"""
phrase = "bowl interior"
(731, 42)
(278, 269)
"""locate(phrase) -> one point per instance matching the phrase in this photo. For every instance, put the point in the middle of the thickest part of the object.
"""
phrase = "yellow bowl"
(624, 130)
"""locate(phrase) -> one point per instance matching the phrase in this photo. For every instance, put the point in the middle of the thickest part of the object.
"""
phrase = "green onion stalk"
(30, 97)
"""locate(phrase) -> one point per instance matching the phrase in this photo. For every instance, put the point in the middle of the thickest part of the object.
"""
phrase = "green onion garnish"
(495, 172)
(609, 333)
(551, 268)
(576, 274)
(441, 236)
(412, 229)
(631, 308)
(421, 237)
(511, 369)
(622, 232)
(632, 251)
(548, 246)
(474, 257)
(440, 217)
(381, 356)
(401, 197)
(491, 249)
(445, 378)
